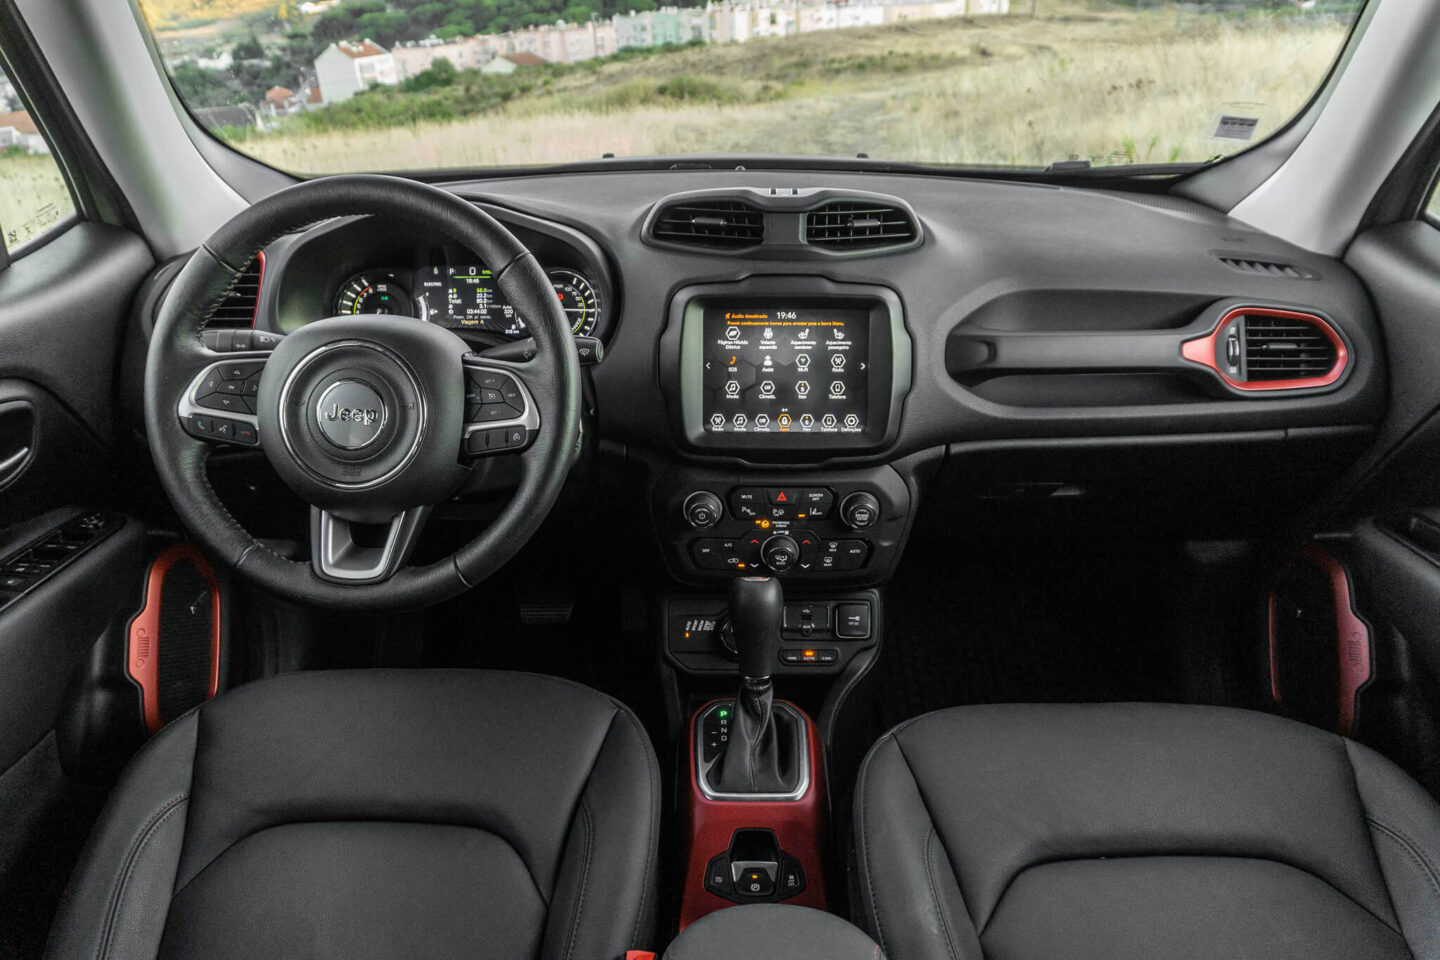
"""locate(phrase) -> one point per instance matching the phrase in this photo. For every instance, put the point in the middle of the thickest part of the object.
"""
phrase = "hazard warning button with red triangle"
(785, 495)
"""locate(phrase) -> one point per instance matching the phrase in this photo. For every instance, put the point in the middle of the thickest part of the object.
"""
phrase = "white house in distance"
(344, 69)
(17, 129)
(507, 62)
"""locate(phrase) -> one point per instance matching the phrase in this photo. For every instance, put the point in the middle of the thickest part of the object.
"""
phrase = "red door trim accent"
(1202, 351)
(800, 827)
(1352, 638)
(142, 658)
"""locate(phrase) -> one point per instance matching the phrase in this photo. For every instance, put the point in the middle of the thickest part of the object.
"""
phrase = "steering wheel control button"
(351, 414)
(236, 341)
(497, 440)
(852, 621)
(860, 511)
(703, 510)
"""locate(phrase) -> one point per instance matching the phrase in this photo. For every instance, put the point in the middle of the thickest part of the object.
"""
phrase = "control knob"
(703, 510)
(859, 511)
(780, 553)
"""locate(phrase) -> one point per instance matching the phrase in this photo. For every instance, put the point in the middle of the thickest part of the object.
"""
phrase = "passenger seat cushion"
(1138, 830)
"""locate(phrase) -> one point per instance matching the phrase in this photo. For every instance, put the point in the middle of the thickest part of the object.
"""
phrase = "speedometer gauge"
(374, 293)
(577, 299)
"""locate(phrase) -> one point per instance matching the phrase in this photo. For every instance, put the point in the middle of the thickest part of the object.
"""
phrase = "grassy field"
(1096, 81)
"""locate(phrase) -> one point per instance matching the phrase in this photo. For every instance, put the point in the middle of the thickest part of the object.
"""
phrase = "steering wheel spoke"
(219, 404)
(346, 552)
(502, 414)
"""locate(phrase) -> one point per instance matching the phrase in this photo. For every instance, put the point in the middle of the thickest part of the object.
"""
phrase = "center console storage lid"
(772, 932)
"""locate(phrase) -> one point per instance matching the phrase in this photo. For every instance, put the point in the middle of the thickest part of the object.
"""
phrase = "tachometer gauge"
(578, 299)
(374, 293)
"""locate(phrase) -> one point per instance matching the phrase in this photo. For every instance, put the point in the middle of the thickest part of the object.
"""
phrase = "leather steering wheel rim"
(176, 353)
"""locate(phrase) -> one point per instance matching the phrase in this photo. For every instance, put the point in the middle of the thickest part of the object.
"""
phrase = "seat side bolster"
(601, 907)
(905, 874)
(116, 903)
(1405, 829)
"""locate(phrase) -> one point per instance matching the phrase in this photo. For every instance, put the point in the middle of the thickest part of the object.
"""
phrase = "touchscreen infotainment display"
(785, 368)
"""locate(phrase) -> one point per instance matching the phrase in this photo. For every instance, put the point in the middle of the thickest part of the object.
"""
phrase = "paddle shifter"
(764, 754)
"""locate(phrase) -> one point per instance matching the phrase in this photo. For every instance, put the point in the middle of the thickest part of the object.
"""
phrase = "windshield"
(329, 86)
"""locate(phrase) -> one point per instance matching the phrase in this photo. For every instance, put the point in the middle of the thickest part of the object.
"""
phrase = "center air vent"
(238, 307)
(728, 224)
(848, 225)
(1286, 348)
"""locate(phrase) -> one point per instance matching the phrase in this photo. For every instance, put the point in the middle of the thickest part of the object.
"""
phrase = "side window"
(34, 196)
(1432, 209)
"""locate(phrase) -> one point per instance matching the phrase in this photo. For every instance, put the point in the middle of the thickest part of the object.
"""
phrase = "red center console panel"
(752, 851)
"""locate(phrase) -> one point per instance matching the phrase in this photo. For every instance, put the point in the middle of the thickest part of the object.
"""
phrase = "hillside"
(175, 12)
(1104, 84)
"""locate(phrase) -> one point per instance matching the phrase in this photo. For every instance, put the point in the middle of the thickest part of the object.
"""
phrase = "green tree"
(249, 49)
(384, 28)
(441, 73)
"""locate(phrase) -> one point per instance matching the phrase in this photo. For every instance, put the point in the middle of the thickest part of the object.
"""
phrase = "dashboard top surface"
(1017, 258)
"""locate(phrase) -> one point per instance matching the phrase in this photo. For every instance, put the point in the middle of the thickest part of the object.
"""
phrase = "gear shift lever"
(760, 754)
(757, 605)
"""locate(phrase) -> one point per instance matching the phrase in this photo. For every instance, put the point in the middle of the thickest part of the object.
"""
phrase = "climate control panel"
(842, 528)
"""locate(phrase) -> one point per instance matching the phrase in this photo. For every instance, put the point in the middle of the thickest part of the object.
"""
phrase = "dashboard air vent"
(238, 308)
(729, 224)
(847, 225)
(1269, 268)
(1286, 348)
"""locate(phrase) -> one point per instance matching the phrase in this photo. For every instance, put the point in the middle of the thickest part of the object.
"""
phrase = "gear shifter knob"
(757, 605)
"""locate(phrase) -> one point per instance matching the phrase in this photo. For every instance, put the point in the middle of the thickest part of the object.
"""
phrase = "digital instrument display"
(785, 369)
(463, 298)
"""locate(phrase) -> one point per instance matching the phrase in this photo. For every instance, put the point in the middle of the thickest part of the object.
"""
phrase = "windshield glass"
(328, 86)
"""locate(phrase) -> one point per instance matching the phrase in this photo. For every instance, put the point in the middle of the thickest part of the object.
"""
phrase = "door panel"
(1391, 506)
(64, 596)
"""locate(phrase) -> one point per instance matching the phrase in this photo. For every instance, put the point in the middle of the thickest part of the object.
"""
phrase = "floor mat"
(1011, 624)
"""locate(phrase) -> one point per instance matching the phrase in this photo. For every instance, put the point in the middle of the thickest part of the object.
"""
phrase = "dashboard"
(793, 358)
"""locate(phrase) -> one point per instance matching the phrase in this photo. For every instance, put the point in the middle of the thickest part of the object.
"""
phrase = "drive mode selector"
(780, 553)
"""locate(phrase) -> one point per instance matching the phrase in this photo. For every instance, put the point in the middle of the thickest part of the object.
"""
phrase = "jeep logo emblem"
(350, 414)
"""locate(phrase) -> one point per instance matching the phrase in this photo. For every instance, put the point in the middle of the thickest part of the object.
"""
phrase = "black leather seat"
(377, 814)
(1129, 831)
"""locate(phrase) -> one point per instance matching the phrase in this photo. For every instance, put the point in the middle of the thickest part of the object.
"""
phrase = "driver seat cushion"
(1129, 831)
(376, 814)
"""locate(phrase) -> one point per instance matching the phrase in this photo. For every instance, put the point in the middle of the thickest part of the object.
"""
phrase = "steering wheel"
(369, 419)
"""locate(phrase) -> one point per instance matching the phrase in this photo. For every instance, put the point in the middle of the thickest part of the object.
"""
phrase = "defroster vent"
(725, 224)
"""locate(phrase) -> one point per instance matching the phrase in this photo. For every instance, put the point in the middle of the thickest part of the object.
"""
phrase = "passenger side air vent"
(847, 225)
(1286, 348)
(1269, 268)
(239, 306)
(726, 224)
(1267, 349)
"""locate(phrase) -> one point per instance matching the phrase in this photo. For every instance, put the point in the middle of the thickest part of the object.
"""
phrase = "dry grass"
(1110, 85)
(33, 197)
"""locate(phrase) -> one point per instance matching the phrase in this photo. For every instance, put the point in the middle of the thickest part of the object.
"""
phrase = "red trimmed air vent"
(238, 308)
(1261, 348)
